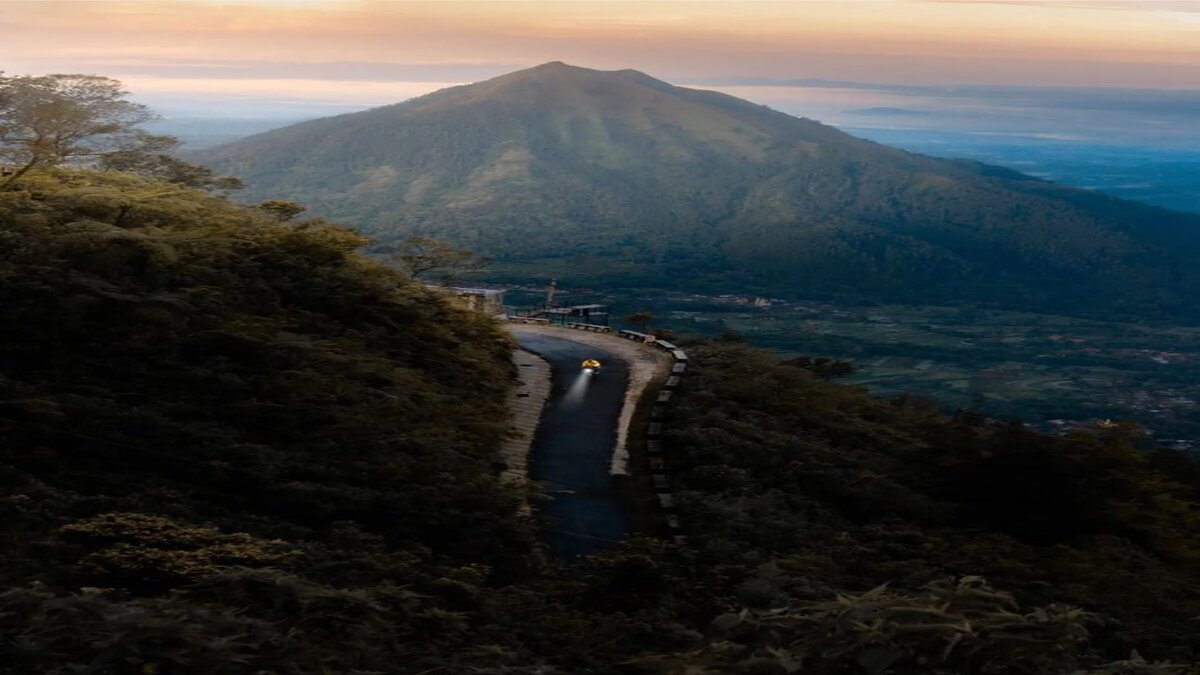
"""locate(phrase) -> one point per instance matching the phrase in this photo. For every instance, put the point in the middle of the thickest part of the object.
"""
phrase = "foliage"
(427, 258)
(190, 390)
(640, 320)
(168, 168)
(52, 120)
(823, 367)
(144, 552)
(953, 626)
(283, 209)
(803, 486)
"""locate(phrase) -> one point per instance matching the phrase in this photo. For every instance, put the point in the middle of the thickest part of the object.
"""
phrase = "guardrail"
(591, 328)
(654, 429)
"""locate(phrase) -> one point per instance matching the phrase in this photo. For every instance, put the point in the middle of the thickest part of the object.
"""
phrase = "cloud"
(1182, 6)
(331, 71)
(912, 41)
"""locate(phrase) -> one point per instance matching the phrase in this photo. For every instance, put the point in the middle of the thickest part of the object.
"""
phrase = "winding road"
(574, 445)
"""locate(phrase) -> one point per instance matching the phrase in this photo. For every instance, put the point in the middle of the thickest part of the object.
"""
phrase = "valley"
(1168, 177)
(978, 285)
(1053, 372)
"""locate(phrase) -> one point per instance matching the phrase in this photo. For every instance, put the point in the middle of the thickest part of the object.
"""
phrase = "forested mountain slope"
(618, 178)
(231, 444)
(192, 390)
(810, 480)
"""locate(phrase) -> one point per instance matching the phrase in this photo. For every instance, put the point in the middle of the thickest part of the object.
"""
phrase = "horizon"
(1116, 71)
(1128, 117)
(351, 50)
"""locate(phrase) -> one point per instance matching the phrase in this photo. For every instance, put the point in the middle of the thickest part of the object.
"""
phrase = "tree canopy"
(431, 259)
(72, 119)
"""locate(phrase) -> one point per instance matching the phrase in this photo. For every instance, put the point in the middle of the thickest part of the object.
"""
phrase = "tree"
(51, 120)
(822, 367)
(640, 320)
(283, 209)
(168, 168)
(427, 258)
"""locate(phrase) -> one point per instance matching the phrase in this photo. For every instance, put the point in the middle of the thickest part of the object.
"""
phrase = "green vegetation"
(431, 259)
(230, 443)
(87, 120)
(794, 488)
(54, 119)
(197, 396)
(618, 180)
(1028, 366)
(640, 320)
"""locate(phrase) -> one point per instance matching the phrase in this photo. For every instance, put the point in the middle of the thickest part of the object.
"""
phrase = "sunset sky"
(368, 52)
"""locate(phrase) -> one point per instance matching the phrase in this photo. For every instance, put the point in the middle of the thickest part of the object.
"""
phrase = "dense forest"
(821, 489)
(232, 440)
(229, 443)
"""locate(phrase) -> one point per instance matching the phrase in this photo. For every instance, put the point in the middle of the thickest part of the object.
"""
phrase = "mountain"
(618, 178)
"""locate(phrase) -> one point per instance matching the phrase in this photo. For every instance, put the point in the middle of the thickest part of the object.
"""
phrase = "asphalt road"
(574, 444)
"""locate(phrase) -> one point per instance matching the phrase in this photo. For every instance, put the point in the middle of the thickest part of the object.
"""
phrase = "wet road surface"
(574, 444)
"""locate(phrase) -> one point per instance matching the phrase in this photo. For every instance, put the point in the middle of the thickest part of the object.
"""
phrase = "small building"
(8, 170)
(596, 315)
(489, 301)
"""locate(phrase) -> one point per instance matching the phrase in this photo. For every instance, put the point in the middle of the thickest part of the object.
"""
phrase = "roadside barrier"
(654, 430)
(592, 328)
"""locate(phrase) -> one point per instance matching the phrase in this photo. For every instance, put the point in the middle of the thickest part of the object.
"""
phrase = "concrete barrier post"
(654, 431)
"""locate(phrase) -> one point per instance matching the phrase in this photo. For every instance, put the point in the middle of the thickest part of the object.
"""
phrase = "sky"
(369, 52)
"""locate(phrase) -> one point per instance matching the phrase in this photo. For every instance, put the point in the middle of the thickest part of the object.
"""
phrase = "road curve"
(574, 444)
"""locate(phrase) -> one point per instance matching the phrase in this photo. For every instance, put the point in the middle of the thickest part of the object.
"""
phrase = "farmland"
(1052, 372)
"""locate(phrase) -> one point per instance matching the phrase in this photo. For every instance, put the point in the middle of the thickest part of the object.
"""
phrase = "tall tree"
(50, 120)
(640, 320)
(146, 162)
(283, 209)
(432, 259)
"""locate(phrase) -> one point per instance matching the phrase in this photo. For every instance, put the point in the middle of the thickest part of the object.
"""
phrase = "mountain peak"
(559, 86)
(554, 65)
(697, 187)
(560, 66)
(559, 69)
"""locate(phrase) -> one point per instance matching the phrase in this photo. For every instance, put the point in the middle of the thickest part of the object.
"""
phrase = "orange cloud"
(1095, 42)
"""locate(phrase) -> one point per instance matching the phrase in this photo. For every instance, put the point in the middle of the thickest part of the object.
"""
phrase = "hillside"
(619, 179)
(812, 480)
(231, 444)
(196, 395)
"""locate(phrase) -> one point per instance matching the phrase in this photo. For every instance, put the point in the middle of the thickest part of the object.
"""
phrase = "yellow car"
(591, 365)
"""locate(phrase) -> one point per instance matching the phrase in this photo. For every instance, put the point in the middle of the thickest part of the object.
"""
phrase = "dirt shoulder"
(526, 402)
